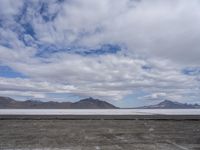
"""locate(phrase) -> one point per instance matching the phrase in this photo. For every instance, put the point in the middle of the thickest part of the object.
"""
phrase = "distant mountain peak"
(93, 103)
(34, 101)
(167, 101)
(168, 104)
(89, 99)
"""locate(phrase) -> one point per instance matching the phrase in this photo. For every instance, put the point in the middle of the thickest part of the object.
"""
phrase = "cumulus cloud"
(8, 8)
(154, 28)
(50, 42)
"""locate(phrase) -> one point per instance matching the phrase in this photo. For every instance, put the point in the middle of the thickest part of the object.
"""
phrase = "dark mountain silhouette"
(167, 104)
(92, 103)
(88, 103)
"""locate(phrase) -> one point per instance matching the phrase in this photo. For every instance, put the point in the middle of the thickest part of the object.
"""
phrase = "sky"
(127, 52)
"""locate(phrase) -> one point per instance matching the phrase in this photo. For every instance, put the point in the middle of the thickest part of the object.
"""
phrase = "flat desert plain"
(97, 132)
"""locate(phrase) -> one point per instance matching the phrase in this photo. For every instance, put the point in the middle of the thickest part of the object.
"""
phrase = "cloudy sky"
(128, 52)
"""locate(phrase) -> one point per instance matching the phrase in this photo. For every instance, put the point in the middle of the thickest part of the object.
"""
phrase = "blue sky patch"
(28, 29)
(146, 67)
(191, 71)
(7, 72)
(104, 49)
(46, 16)
(46, 51)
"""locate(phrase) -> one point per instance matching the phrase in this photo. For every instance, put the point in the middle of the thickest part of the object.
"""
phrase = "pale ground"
(99, 111)
(100, 134)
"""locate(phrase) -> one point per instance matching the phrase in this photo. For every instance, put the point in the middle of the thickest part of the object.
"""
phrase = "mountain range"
(167, 104)
(88, 103)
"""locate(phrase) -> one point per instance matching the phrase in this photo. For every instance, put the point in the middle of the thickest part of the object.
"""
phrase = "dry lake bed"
(182, 132)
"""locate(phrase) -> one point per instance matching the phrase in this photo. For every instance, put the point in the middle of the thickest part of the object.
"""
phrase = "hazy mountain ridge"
(88, 103)
(167, 104)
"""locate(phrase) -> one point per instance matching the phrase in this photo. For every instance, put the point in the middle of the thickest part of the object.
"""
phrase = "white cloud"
(161, 35)
(9, 7)
(107, 76)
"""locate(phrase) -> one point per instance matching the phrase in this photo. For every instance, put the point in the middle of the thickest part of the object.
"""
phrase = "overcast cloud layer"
(106, 49)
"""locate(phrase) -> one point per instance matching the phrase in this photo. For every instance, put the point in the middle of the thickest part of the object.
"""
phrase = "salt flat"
(99, 111)
(100, 129)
